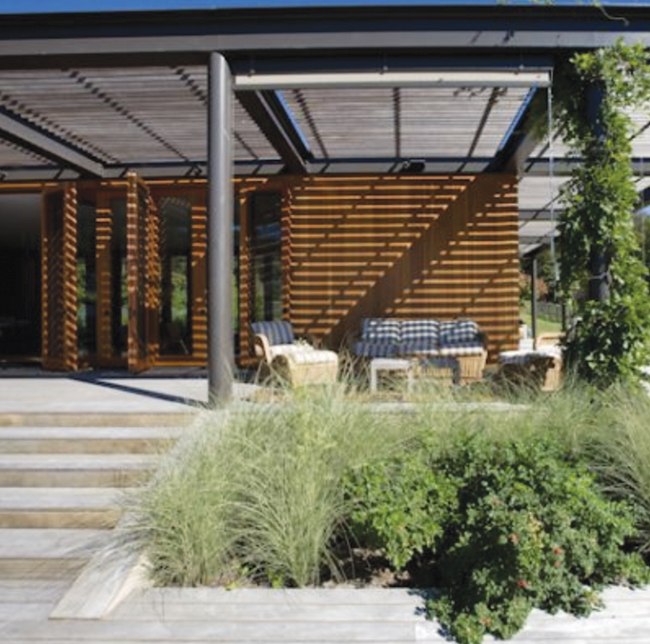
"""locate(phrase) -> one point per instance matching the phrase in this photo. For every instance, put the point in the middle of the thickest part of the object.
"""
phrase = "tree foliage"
(610, 337)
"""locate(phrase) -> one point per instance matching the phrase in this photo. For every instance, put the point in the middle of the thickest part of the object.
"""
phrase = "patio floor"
(157, 392)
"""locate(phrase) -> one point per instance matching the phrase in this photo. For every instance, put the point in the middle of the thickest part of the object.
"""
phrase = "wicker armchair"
(551, 343)
(539, 368)
(293, 361)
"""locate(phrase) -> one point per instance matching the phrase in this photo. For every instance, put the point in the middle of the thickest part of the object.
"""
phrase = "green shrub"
(511, 524)
(399, 506)
(532, 529)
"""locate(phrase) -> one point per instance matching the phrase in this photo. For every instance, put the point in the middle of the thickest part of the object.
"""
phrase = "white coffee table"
(392, 364)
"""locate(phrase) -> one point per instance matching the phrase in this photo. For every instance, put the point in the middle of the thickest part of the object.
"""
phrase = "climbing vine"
(600, 264)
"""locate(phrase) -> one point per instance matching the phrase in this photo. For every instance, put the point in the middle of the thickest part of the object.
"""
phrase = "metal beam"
(533, 299)
(432, 165)
(644, 196)
(527, 251)
(46, 39)
(378, 78)
(523, 137)
(221, 354)
(267, 112)
(252, 167)
(29, 137)
(406, 60)
(494, 96)
(530, 214)
(534, 239)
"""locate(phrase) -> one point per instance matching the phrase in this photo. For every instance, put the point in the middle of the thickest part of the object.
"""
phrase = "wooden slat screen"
(406, 247)
(59, 280)
(104, 236)
(352, 247)
(143, 275)
(199, 252)
(152, 274)
(132, 272)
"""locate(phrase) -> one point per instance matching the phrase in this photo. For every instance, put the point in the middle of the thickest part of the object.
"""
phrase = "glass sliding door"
(266, 255)
(176, 276)
(86, 284)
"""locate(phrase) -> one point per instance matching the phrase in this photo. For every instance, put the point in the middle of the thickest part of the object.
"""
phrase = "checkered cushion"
(421, 331)
(366, 349)
(380, 330)
(524, 357)
(459, 333)
(462, 349)
(418, 347)
(275, 332)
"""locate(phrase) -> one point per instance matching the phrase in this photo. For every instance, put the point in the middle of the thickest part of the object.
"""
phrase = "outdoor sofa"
(293, 360)
(458, 341)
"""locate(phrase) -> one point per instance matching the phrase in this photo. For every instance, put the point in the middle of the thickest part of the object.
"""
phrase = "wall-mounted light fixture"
(413, 166)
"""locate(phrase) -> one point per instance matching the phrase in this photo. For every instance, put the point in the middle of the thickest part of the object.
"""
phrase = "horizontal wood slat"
(406, 247)
(59, 279)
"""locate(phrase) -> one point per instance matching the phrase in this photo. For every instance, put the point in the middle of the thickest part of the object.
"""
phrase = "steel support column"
(220, 239)
(533, 301)
(599, 260)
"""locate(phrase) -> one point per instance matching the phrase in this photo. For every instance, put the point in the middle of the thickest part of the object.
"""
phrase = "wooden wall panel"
(59, 280)
(199, 305)
(405, 247)
(134, 350)
(152, 275)
(104, 236)
(394, 245)
(143, 275)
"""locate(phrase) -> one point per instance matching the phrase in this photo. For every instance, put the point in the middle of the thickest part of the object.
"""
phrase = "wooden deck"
(167, 616)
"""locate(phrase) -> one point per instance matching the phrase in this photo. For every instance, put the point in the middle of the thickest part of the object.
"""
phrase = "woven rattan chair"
(293, 361)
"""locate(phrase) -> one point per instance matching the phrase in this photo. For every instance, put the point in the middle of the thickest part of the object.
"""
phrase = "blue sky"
(38, 6)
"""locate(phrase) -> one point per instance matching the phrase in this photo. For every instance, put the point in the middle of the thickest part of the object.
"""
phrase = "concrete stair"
(62, 486)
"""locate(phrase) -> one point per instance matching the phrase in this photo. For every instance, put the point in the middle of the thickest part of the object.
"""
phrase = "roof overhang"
(435, 89)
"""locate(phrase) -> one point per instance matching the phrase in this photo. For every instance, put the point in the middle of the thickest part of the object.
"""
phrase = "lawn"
(544, 324)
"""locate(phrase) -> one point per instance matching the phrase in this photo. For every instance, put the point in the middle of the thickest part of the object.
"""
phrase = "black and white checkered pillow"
(380, 330)
(420, 331)
(459, 332)
(280, 332)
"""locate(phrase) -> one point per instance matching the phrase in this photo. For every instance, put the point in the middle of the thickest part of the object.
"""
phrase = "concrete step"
(75, 470)
(128, 419)
(88, 440)
(46, 554)
(35, 507)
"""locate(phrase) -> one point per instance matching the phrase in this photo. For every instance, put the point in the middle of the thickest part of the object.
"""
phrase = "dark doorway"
(20, 281)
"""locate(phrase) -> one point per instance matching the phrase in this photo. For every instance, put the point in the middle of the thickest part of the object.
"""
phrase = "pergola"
(430, 88)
